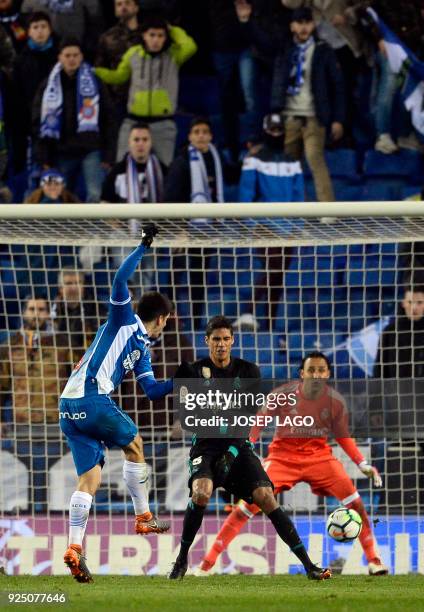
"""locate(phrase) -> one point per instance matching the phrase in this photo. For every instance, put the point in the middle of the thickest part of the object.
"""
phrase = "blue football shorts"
(89, 424)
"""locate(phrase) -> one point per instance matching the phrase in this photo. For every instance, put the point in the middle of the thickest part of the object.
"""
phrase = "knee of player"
(264, 498)
(201, 498)
(201, 493)
(134, 450)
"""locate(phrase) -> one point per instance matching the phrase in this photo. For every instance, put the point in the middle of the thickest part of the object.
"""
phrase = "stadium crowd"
(77, 75)
(164, 101)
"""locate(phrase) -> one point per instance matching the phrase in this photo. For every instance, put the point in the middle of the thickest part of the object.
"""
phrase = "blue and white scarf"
(200, 192)
(87, 102)
(60, 6)
(154, 179)
(297, 67)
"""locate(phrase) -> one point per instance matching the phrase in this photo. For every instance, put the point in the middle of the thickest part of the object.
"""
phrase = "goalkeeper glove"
(371, 472)
(148, 232)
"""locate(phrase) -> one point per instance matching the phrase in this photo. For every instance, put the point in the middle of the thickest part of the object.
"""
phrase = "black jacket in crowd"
(228, 35)
(71, 142)
(31, 68)
(326, 82)
(401, 351)
(178, 178)
(396, 397)
(268, 29)
(117, 175)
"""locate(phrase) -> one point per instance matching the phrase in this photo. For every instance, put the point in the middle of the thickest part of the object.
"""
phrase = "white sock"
(79, 509)
(136, 476)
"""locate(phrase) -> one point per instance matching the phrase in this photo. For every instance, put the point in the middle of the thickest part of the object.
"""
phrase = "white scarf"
(154, 179)
(200, 192)
(87, 102)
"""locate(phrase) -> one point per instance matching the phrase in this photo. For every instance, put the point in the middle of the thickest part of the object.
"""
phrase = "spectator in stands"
(138, 177)
(336, 25)
(32, 66)
(233, 63)
(33, 369)
(266, 27)
(308, 90)
(73, 119)
(75, 313)
(269, 174)
(13, 23)
(396, 395)
(401, 351)
(408, 25)
(152, 68)
(79, 19)
(52, 190)
(197, 174)
(7, 99)
(34, 366)
(115, 42)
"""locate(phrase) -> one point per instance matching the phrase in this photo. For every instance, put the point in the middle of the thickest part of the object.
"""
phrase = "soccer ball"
(344, 524)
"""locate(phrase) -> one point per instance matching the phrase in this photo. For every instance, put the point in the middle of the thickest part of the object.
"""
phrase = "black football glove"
(148, 232)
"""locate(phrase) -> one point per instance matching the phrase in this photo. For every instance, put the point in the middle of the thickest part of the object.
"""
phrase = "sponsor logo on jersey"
(130, 360)
(76, 416)
(206, 373)
(197, 461)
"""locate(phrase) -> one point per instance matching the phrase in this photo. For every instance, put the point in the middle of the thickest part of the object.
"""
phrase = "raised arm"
(120, 294)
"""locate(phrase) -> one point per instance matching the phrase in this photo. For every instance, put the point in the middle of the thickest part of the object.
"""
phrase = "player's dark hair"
(38, 16)
(200, 121)
(140, 125)
(152, 305)
(219, 322)
(315, 355)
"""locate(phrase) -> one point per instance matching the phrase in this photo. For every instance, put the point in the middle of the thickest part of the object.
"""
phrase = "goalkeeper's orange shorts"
(325, 475)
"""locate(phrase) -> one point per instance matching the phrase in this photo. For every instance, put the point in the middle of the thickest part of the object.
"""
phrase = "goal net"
(293, 279)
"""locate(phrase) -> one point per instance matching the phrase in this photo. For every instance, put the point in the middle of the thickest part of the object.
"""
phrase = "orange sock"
(366, 538)
(231, 527)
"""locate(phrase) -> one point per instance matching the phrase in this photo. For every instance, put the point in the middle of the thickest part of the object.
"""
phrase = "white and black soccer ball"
(344, 524)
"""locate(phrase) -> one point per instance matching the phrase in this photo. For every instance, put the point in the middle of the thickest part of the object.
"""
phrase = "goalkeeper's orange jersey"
(330, 418)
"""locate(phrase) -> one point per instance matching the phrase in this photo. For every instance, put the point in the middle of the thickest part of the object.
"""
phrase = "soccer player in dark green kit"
(230, 462)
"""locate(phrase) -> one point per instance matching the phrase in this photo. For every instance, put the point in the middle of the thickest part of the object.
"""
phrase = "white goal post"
(259, 223)
(293, 277)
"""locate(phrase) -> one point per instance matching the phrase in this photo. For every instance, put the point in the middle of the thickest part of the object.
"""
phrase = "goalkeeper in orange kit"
(293, 459)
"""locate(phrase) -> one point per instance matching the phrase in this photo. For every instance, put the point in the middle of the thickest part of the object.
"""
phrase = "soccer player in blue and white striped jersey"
(90, 419)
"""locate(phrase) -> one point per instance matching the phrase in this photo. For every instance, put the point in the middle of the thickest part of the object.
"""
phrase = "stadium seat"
(342, 163)
(406, 164)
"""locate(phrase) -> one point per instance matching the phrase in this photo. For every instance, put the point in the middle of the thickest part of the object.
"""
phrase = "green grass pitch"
(241, 593)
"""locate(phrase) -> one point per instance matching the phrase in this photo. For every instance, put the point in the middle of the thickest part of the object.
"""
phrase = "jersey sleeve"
(146, 379)
(143, 367)
(351, 450)
(120, 309)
